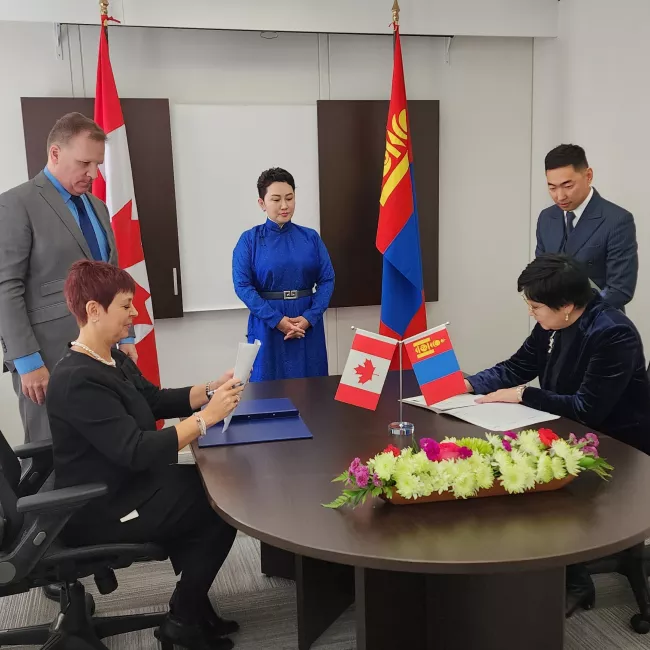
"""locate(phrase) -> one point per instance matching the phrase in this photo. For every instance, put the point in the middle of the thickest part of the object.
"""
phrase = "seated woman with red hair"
(103, 415)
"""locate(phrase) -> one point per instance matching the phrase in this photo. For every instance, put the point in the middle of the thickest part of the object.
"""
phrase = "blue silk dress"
(270, 258)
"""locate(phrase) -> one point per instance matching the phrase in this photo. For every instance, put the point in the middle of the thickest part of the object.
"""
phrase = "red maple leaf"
(365, 371)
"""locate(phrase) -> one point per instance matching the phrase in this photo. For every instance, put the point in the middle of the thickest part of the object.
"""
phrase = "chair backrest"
(9, 463)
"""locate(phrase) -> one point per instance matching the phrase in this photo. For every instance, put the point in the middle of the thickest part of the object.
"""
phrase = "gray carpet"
(265, 608)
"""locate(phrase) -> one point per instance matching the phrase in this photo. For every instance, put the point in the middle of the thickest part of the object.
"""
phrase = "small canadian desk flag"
(366, 369)
(435, 365)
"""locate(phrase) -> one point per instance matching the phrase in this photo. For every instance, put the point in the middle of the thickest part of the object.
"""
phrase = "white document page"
(246, 356)
(496, 416)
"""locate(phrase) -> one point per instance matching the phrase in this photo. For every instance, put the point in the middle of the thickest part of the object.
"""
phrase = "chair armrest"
(32, 449)
(65, 498)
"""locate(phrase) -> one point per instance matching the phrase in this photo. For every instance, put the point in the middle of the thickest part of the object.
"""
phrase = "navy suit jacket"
(604, 239)
(602, 382)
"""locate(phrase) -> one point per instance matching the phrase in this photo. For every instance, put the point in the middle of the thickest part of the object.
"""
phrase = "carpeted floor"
(265, 608)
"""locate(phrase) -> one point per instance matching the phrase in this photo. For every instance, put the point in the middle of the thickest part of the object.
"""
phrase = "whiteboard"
(219, 152)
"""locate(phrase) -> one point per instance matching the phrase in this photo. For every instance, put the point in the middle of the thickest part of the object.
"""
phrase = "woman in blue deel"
(283, 274)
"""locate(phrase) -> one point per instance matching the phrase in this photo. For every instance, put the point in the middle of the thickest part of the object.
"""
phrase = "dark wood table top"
(274, 491)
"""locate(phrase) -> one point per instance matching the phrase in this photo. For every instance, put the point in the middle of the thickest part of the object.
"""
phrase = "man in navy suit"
(586, 226)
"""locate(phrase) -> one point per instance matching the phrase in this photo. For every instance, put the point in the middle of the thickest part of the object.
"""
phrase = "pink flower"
(465, 452)
(572, 439)
(592, 438)
(431, 448)
(506, 445)
(362, 476)
(354, 465)
(450, 451)
(511, 434)
(590, 451)
(376, 481)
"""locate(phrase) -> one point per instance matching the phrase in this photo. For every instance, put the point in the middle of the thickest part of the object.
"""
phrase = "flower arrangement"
(516, 461)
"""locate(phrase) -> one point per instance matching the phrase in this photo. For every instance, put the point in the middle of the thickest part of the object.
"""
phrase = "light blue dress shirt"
(34, 361)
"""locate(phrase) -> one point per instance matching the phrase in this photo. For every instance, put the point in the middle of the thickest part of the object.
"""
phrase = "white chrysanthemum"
(384, 465)
(427, 484)
(527, 474)
(544, 468)
(521, 457)
(514, 479)
(528, 442)
(482, 471)
(494, 440)
(559, 468)
(420, 463)
(572, 461)
(408, 485)
(440, 477)
(561, 448)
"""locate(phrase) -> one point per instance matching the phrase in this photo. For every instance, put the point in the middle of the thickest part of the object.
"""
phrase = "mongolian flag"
(398, 237)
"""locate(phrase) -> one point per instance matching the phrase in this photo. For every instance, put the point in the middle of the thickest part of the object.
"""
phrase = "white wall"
(460, 17)
(485, 150)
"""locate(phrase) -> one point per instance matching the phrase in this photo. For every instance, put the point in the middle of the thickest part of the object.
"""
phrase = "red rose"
(392, 449)
(546, 436)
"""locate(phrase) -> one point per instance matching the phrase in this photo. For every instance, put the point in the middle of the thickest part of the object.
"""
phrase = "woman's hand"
(222, 380)
(290, 330)
(223, 402)
(507, 395)
(301, 322)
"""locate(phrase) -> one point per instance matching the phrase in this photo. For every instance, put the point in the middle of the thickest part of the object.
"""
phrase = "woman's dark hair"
(273, 175)
(556, 281)
(98, 281)
(566, 155)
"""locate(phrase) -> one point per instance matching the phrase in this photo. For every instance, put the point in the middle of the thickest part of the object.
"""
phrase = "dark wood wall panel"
(150, 148)
(351, 145)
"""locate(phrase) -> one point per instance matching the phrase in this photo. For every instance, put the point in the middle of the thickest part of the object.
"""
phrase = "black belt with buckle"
(293, 294)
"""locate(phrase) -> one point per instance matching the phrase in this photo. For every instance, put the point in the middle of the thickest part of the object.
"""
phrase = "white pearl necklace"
(93, 354)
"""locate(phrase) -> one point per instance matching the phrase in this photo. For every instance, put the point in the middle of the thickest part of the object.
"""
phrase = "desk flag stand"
(401, 428)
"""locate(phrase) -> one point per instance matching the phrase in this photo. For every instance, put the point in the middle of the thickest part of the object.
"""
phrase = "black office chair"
(32, 556)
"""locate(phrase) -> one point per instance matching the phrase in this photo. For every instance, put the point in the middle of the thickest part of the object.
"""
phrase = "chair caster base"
(640, 624)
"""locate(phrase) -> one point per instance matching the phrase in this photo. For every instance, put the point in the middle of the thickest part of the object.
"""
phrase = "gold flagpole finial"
(396, 12)
(103, 8)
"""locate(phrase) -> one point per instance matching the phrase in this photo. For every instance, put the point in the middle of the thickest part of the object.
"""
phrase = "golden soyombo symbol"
(396, 160)
(426, 347)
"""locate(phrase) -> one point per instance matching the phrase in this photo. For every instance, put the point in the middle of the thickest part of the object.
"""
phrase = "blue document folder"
(259, 420)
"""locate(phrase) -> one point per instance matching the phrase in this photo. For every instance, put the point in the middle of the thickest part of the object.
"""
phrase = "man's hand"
(35, 384)
(301, 322)
(130, 351)
(290, 330)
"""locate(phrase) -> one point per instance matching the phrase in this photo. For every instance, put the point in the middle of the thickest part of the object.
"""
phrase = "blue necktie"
(570, 216)
(87, 228)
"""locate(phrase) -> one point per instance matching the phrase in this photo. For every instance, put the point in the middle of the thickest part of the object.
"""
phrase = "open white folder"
(491, 417)
(246, 355)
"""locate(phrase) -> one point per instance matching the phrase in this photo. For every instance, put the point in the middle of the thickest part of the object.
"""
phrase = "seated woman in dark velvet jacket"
(587, 355)
(589, 359)
(103, 414)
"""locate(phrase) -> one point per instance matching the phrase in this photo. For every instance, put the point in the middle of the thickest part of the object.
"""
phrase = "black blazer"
(601, 382)
(103, 423)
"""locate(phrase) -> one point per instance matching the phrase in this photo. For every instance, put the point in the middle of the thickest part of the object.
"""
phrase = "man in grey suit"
(47, 224)
(584, 225)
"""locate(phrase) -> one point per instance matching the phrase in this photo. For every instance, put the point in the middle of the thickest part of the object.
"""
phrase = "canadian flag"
(114, 186)
(366, 369)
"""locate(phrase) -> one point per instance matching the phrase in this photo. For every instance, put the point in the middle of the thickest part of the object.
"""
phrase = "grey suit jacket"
(604, 239)
(39, 241)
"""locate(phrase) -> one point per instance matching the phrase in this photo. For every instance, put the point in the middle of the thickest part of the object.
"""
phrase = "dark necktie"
(570, 216)
(87, 228)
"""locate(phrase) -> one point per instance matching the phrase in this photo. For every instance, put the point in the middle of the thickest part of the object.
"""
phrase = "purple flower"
(354, 465)
(511, 434)
(593, 439)
(362, 476)
(465, 452)
(506, 445)
(376, 481)
(590, 450)
(431, 448)
(572, 439)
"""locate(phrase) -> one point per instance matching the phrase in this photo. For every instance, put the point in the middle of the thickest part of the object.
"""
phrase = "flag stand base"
(401, 428)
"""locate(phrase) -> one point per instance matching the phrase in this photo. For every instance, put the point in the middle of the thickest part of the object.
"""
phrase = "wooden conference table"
(458, 575)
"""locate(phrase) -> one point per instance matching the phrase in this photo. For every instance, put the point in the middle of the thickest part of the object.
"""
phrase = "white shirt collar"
(581, 208)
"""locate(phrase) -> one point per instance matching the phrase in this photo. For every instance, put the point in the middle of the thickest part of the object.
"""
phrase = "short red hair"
(97, 281)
